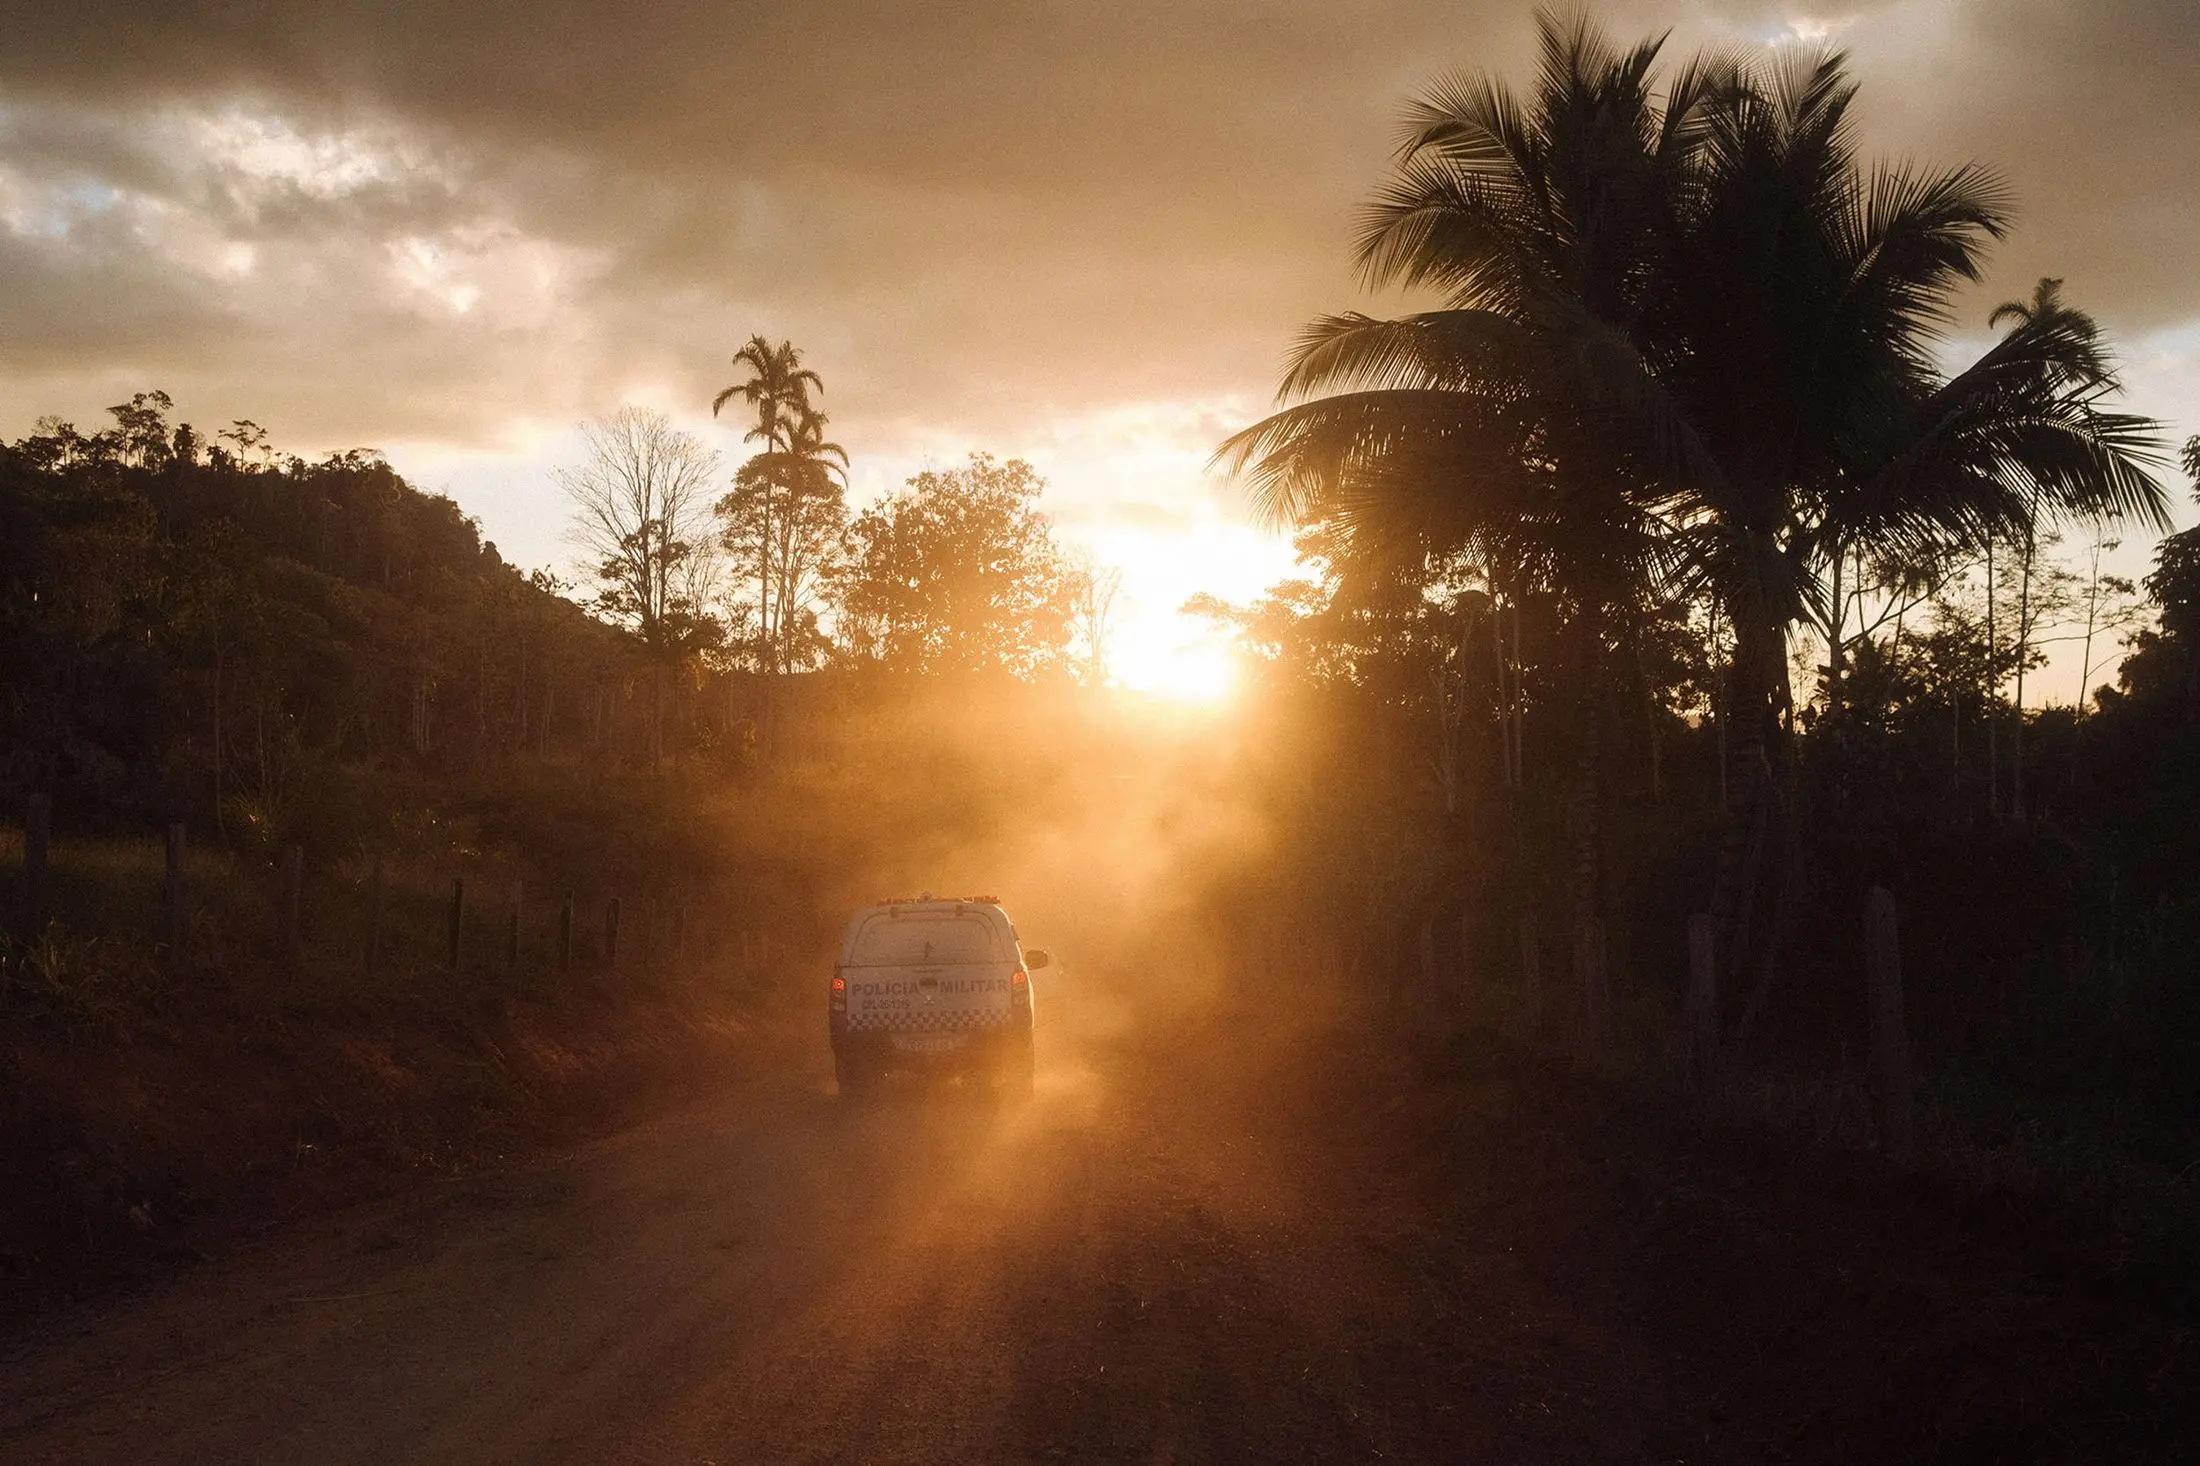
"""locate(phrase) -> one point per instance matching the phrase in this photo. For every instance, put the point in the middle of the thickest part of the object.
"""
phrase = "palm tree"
(778, 388)
(1796, 351)
(760, 511)
(2049, 373)
(1687, 341)
(1801, 322)
(1465, 428)
(782, 516)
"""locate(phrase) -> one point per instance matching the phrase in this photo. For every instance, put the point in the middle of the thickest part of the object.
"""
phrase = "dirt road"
(1253, 1244)
(1154, 1260)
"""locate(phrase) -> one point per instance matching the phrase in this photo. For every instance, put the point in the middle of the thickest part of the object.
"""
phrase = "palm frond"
(1914, 237)
(1435, 349)
(2018, 436)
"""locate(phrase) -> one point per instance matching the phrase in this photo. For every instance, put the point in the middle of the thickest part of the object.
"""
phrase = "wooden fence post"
(1890, 1054)
(458, 922)
(171, 895)
(294, 882)
(37, 838)
(565, 934)
(374, 915)
(1701, 1016)
(611, 936)
(1531, 973)
(511, 936)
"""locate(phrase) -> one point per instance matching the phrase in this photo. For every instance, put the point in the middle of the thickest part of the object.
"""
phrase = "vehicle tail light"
(1018, 978)
(840, 992)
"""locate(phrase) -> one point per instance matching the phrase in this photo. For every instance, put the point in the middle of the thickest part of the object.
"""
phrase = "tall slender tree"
(787, 505)
(782, 522)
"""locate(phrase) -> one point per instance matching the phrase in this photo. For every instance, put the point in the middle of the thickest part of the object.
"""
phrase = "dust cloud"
(1113, 828)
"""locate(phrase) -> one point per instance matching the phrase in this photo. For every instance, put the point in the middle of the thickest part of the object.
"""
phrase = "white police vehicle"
(939, 986)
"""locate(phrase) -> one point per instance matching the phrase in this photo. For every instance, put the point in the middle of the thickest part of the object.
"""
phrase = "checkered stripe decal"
(923, 1018)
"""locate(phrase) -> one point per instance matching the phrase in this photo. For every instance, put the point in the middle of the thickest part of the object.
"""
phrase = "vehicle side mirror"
(1036, 959)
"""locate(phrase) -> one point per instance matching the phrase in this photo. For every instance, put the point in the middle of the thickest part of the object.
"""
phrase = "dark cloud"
(428, 220)
(2084, 108)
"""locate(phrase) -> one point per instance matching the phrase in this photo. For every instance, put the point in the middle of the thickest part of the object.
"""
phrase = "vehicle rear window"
(891, 941)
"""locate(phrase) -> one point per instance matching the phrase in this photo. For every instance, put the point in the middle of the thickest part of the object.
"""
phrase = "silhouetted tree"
(1468, 429)
(957, 571)
(231, 635)
(641, 514)
(1689, 342)
(781, 524)
(787, 506)
(1092, 590)
(2165, 665)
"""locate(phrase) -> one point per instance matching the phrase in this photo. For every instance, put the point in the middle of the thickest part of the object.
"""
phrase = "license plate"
(928, 1043)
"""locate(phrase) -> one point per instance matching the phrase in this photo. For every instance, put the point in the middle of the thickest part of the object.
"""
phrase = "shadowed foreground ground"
(1266, 1244)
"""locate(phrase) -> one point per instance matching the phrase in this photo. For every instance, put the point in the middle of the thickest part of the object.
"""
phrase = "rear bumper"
(980, 1047)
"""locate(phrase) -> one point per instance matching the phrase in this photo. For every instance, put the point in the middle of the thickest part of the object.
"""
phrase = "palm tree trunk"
(1586, 802)
(1993, 693)
(1504, 686)
(1780, 810)
(789, 577)
(1720, 706)
(1836, 620)
(1585, 798)
(1519, 701)
(2092, 610)
(766, 539)
(2016, 732)
(764, 603)
(1751, 699)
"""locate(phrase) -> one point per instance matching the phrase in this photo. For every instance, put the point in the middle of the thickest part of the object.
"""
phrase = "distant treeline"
(207, 629)
(212, 631)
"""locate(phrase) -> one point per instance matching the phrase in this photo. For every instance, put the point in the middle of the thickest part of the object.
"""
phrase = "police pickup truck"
(932, 985)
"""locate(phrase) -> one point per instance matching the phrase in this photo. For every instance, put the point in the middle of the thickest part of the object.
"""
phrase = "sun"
(1151, 645)
(1200, 671)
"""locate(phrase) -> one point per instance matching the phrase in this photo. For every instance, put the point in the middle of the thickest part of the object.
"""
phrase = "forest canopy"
(214, 628)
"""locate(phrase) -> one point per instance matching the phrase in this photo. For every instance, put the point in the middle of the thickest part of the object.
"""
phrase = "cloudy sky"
(1082, 232)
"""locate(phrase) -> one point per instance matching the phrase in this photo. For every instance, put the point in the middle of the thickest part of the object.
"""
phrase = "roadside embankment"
(157, 1100)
